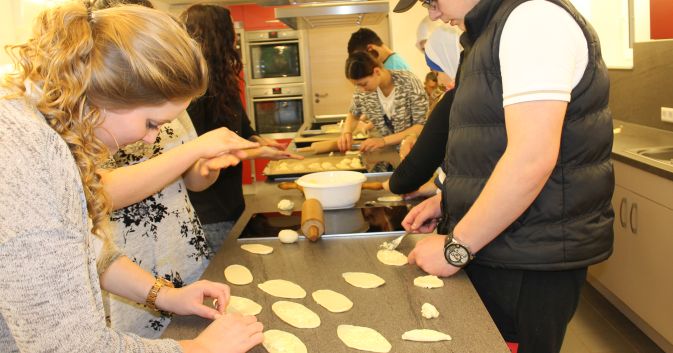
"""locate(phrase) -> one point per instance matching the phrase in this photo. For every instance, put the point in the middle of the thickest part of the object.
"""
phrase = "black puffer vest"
(569, 225)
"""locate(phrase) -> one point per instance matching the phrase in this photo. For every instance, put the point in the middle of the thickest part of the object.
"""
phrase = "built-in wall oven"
(275, 57)
(278, 111)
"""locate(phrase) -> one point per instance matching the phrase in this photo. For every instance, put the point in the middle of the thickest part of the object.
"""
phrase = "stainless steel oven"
(275, 57)
(277, 111)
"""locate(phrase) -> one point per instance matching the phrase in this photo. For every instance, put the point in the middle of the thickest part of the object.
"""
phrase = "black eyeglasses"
(429, 4)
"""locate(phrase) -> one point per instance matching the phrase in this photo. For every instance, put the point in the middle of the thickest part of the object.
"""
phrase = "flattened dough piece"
(282, 289)
(332, 301)
(363, 279)
(296, 314)
(424, 335)
(428, 281)
(390, 198)
(429, 311)
(391, 257)
(363, 338)
(243, 306)
(277, 341)
(257, 249)
(238, 274)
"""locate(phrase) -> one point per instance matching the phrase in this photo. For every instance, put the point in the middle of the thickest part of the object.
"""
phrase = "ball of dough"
(285, 205)
(298, 167)
(288, 236)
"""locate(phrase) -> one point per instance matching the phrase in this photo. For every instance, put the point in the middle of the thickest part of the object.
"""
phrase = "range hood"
(332, 13)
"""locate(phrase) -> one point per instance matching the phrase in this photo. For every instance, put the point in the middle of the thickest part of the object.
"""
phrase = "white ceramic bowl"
(334, 189)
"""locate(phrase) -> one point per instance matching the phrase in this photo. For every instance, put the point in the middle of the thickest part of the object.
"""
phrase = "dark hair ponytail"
(360, 64)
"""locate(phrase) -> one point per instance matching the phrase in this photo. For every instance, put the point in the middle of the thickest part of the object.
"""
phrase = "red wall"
(661, 19)
(255, 17)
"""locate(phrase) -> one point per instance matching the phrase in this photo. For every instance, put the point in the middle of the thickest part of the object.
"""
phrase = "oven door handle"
(289, 41)
(280, 98)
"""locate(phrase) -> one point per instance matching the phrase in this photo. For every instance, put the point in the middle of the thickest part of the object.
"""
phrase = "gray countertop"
(391, 309)
(631, 137)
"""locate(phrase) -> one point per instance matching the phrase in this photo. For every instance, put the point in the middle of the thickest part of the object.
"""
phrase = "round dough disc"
(243, 306)
(391, 257)
(238, 274)
(363, 279)
(428, 281)
(424, 335)
(257, 249)
(296, 314)
(332, 301)
(288, 236)
(282, 289)
(363, 338)
(277, 341)
(391, 198)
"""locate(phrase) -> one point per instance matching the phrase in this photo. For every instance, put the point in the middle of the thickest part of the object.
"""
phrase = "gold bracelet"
(154, 291)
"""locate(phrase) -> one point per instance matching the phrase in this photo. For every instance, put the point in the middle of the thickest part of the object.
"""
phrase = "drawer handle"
(633, 218)
(622, 209)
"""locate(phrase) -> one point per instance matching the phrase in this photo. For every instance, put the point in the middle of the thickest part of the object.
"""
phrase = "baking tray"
(297, 168)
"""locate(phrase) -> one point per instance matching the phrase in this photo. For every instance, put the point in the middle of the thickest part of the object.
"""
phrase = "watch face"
(457, 255)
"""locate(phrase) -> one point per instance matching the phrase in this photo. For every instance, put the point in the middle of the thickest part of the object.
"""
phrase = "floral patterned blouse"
(161, 233)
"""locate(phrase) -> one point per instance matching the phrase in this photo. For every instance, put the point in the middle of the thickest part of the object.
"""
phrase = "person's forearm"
(193, 179)
(396, 138)
(131, 184)
(126, 279)
(350, 123)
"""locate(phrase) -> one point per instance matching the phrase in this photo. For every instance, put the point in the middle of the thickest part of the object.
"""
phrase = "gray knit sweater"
(50, 295)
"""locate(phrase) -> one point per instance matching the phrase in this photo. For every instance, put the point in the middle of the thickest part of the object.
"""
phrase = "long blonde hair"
(85, 61)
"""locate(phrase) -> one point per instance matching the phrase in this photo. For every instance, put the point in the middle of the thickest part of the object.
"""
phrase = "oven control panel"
(274, 91)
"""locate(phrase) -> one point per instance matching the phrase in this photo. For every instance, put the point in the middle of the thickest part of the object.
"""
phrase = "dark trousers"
(532, 308)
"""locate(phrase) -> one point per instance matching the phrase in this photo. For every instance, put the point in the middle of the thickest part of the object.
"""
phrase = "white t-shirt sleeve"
(543, 53)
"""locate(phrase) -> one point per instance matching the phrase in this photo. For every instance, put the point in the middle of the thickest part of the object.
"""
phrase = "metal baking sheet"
(297, 168)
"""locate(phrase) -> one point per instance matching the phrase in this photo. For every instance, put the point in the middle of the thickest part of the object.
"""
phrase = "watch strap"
(154, 291)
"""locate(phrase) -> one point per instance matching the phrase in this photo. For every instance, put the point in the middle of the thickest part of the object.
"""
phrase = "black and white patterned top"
(161, 233)
(410, 107)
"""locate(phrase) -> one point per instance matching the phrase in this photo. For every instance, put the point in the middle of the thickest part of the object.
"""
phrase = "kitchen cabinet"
(637, 277)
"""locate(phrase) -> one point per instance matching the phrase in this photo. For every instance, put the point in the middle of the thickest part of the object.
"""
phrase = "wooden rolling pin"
(321, 147)
(312, 221)
(368, 185)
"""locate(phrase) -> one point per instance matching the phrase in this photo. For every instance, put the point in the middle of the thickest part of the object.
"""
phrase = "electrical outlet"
(667, 114)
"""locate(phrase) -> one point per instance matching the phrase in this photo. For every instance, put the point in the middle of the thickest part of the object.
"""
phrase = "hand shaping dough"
(363, 279)
(391, 257)
(243, 306)
(295, 314)
(257, 249)
(288, 236)
(429, 311)
(285, 205)
(363, 338)
(425, 336)
(332, 301)
(428, 281)
(282, 289)
(238, 274)
(276, 341)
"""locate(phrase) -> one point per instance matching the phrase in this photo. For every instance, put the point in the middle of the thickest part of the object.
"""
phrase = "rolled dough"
(363, 338)
(295, 314)
(282, 289)
(277, 341)
(424, 335)
(257, 249)
(243, 306)
(391, 257)
(363, 279)
(238, 274)
(428, 281)
(332, 301)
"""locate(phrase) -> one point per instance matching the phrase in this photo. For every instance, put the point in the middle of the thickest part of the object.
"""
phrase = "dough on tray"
(428, 281)
(238, 274)
(288, 236)
(332, 301)
(277, 341)
(285, 205)
(363, 279)
(327, 166)
(390, 198)
(257, 249)
(243, 306)
(282, 289)
(363, 338)
(424, 335)
(314, 166)
(295, 314)
(392, 257)
(298, 167)
(429, 311)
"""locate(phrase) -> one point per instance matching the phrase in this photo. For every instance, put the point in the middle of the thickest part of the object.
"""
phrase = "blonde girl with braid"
(86, 84)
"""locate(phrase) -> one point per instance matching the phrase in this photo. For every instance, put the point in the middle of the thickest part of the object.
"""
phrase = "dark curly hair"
(212, 27)
(361, 38)
(360, 64)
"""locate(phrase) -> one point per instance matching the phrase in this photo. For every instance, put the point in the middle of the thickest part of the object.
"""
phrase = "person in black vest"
(526, 200)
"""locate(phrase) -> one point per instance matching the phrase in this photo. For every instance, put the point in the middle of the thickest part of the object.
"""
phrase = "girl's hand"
(263, 141)
(423, 217)
(230, 333)
(208, 166)
(188, 300)
(372, 144)
(221, 141)
(269, 153)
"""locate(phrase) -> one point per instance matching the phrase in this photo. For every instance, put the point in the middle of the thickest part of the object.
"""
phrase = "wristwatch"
(154, 291)
(456, 254)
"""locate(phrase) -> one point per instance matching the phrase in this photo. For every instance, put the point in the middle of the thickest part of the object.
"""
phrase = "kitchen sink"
(660, 154)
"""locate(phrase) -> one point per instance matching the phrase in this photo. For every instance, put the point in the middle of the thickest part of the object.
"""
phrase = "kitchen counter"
(633, 136)
(391, 309)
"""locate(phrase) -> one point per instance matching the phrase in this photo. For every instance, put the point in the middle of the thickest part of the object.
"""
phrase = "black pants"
(532, 308)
